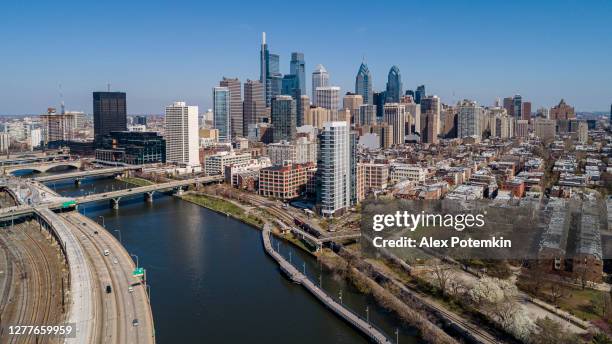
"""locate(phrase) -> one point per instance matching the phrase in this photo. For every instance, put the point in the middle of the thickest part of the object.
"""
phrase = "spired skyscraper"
(269, 69)
(320, 78)
(394, 85)
(110, 113)
(363, 84)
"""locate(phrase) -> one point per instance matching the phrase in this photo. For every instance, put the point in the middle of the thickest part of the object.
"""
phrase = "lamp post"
(120, 240)
(133, 255)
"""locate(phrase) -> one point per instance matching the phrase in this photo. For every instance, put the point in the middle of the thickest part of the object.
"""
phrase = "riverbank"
(137, 181)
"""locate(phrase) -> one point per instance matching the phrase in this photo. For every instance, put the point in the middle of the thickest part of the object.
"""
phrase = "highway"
(120, 307)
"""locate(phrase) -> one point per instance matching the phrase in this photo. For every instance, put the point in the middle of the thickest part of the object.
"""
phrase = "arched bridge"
(42, 166)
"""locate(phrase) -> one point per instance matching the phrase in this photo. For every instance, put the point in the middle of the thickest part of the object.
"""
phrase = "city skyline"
(504, 59)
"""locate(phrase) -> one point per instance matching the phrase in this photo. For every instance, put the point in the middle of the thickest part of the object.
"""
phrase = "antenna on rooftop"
(108, 86)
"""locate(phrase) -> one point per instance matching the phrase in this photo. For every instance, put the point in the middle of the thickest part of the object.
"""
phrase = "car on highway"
(115, 261)
(106, 252)
(130, 289)
(135, 322)
(108, 289)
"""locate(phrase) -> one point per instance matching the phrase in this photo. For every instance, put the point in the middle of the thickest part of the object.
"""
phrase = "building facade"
(182, 139)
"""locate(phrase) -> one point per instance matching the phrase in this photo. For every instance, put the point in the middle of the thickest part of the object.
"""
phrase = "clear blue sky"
(158, 52)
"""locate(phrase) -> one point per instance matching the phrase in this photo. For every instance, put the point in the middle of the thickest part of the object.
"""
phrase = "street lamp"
(133, 255)
(368, 314)
(118, 231)
(397, 336)
(340, 293)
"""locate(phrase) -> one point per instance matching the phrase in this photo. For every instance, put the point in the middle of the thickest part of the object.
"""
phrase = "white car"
(130, 289)
(106, 252)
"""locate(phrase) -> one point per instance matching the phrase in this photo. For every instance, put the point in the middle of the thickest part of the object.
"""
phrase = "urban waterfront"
(211, 279)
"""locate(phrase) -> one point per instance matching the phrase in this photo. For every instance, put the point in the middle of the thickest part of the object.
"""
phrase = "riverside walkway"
(296, 276)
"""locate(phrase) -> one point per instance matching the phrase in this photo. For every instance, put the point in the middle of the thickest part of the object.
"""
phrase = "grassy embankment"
(222, 206)
(137, 181)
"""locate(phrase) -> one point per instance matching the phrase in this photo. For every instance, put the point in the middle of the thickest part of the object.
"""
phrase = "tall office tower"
(449, 127)
(509, 106)
(284, 118)
(431, 103)
(367, 115)
(235, 88)
(419, 94)
(269, 69)
(517, 105)
(320, 78)
(221, 113)
(379, 100)
(545, 129)
(394, 85)
(254, 105)
(297, 67)
(182, 140)
(334, 192)
(469, 121)
(110, 113)
(384, 132)
(522, 128)
(363, 84)
(328, 97)
(395, 115)
(290, 85)
(410, 93)
(526, 111)
(352, 102)
(562, 111)
(542, 112)
(430, 119)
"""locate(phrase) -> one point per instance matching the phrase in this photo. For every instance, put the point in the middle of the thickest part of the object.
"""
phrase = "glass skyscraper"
(221, 114)
(363, 84)
(269, 75)
(284, 118)
(517, 103)
(110, 113)
(297, 67)
(419, 94)
(394, 85)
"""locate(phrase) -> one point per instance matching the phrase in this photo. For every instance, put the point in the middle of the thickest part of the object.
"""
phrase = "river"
(211, 280)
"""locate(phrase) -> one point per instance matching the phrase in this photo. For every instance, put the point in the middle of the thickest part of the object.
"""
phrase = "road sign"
(68, 204)
(138, 272)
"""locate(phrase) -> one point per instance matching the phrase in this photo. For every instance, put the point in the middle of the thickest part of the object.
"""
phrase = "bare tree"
(557, 291)
(442, 274)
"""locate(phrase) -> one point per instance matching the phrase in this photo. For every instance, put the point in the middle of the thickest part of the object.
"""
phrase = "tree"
(601, 338)
(442, 274)
(551, 332)
(557, 291)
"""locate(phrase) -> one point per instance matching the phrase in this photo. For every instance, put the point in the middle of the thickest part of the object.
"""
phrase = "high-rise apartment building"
(236, 119)
(334, 175)
(363, 84)
(221, 113)
(545, 129)
(317, 117)
(430, 119)
(328, 97)
(182, 140)
(395, 115)
(58, 127)
(110, 113)
(367, 115)
(583, 132)
(303, 107)
(522, 128)
(470, 116)
(394, 85)
(254, 105)
(284, 118)
(320, 78)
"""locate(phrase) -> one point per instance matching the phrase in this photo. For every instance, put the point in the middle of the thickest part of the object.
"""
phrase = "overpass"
(41, 167)
(148, 191)
(34, 157)
(79, 175)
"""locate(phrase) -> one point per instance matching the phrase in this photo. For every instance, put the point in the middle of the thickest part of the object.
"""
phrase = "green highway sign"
(68, 204)
(138, 272)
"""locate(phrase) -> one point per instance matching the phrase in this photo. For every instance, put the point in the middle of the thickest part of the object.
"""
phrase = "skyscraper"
(395, 115)
(562, 111)
(269, 69)
(526, 111)
(419, 94)
(328, 97)
(221, 113)
(320, 78)
(470, 118)
(509, 106)
(236, 119)
(284, 118)
(379, 100)
(297, 67)
(182, 141)
(517, 105)
(290, 85)
(110, 113)
(254, 105)
(430, 119)
(363, 84)
(367, 115)
(394, 85)
(333, 173)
